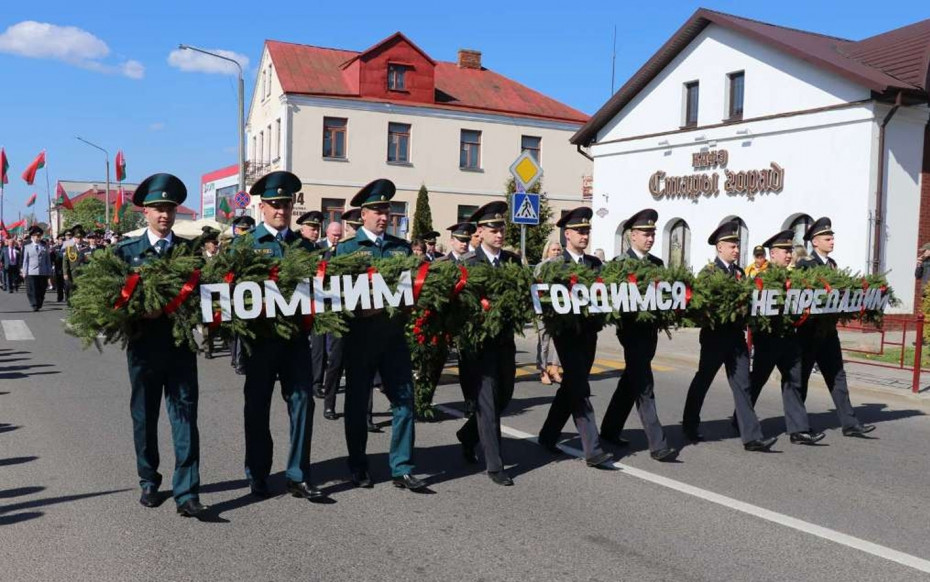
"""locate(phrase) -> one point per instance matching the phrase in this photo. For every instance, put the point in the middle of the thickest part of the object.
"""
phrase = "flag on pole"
(120, 166)
(16, 228)
(4, 166)
(30, 174)
(118, 205)
(63, 199)
(31, 201)
(3, 231)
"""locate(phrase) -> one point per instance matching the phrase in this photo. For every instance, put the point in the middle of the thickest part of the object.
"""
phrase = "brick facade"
(923, 230)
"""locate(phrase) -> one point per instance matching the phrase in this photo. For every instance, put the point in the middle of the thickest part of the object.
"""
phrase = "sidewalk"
(684, 349)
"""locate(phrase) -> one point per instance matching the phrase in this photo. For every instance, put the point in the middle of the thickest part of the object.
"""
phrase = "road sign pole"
(523, 241)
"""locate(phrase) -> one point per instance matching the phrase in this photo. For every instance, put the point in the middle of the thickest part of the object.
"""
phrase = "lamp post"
(241, 126)
(106, 197)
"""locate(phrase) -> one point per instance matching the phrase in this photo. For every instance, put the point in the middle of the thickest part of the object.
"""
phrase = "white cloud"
(195, 62)
(157, 126)
(69, 44)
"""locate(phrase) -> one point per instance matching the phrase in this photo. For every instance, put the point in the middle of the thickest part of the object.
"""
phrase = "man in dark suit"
(460, 234)
(310, 224)
(725, 345)
(494, 363)
(820, 342)
(577, 351)
(276, 359)
(12, 264)
(639, 341)
(781, 348)
(57, 252)
(157, 366)
(429, 242)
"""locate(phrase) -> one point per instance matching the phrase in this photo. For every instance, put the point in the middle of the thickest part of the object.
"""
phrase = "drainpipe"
(582, 152)
(880, 188)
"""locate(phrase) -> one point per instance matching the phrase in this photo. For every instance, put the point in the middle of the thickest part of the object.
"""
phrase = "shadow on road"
(16, 461)
(9, 515)
(4, 427)
(20, 491)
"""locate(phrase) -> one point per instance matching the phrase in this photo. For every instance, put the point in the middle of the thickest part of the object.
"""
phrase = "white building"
(341, 118)
(737, 118)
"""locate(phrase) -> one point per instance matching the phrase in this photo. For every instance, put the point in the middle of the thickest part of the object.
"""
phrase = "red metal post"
(918, 348)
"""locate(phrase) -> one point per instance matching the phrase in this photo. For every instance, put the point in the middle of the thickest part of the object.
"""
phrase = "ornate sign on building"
(747, 183)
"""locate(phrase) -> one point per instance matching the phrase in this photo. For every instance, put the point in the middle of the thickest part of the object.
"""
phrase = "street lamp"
(107, 195)
(241, 108)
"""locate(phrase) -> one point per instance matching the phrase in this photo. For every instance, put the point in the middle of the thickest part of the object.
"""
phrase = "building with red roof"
(341, 118)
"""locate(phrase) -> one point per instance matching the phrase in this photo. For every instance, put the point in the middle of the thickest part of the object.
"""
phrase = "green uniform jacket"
(391, 247)
(138, 250)
(266, 244)
(74, 257)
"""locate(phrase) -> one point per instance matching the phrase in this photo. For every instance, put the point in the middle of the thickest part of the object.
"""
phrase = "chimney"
(469, 59)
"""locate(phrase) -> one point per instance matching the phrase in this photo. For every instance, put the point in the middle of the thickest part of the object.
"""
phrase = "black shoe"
(598, 460)
(501, 478)
(410, 482)
(858, 430)
(693, 435)
(761, 445)
(150, 497)
(362, 479)
(318, 392)
(806, 437)
(372, 427)
(330, 415)
(191, 508)
(259, 488)
(303, 490)
(665, 455)
(615, 439)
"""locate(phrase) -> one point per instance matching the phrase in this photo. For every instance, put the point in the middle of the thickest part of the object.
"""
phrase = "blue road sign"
(525, 208)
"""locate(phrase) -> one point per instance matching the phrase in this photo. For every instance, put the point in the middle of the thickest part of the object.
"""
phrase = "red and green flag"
(3, 231)
(120, 166)
(62, 196)
(16, 228)
(118, 205)
(30, 174)
(4, 167)
(31, 201)
(224, 207)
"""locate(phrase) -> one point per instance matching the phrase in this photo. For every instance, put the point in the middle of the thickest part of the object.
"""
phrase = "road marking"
(16, 330)
(741, 506)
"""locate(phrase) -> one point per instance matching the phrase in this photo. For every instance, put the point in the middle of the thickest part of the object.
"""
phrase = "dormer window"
(396, 77)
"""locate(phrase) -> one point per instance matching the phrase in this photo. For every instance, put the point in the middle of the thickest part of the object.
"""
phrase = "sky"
(109, 71)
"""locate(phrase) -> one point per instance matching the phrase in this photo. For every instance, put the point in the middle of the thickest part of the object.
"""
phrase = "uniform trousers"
(157, 367)
(274, 360)
(377, 344)
(636, 385)
(334, 369)
(318, 360)
(784, 352)
(490, 383)
(726, 347)
(822, 347)
(36, 287)
(573, 398)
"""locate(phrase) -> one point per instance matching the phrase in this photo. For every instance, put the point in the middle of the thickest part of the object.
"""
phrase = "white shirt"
(154, 238)
(725, 264)
(379, 240)
(574, 257)
(824, 260)
(491, 257)
(638, 254)
(274, 231)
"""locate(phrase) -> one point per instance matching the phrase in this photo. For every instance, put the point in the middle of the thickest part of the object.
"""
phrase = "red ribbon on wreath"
(460, 284)
(217, 315)
(572, 281)
(307, 320)
(126, 292)
(419, 280)
(485, 304)
(758, 282)
(371, 273)
(631, 278)
(186, 291)
(273, 273)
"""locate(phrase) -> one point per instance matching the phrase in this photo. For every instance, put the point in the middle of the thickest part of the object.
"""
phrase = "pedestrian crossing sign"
(525, 208)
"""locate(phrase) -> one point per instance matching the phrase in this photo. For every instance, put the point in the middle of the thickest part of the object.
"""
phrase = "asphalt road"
(851, 509)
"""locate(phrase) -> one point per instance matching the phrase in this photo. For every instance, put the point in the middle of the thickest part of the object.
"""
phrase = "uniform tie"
(378, 242)
(279, 237)
(580, 260)
(496, 262)
(161, 246)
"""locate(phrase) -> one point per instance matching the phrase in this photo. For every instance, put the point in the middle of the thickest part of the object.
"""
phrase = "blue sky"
(108, 77)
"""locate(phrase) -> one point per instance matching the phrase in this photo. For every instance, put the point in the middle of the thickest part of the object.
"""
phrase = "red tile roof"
(99, 194)
(887, 63)
(311, 70)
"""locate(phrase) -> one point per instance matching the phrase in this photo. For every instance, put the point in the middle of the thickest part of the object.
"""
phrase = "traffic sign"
(242, 199)
(525, 208)
(525, 170)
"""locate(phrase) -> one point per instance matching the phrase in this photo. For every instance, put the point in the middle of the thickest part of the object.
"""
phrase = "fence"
(886, 336)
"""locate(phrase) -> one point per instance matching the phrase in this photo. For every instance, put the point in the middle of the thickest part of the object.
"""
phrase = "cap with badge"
(492, 215)
(642, 220)
(758, 251)
(726, 232)
(821, 226)
(375, 195)
(462, 231)
(160, 189)
(353, 217)
(782, 240)
(312, 218)
(209, 234)
(36, 229)
(430, 237)
(77, 230)
(577, 219)
(243, 222)
(278, 185)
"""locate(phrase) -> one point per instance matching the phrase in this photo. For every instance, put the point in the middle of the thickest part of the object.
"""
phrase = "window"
(398, 143)
(270, 141)
(277, 142)
(532, 144)
(737, 84)
(268, 94)
(397, 78)
(691, 104)
(334, 137)
(743, 238)
(678, 244)
(254, 151)
(261, 147)
(464, 212)
(470, 152)
(397, 218)
(264, 84)
(332, 210)
(799, 224)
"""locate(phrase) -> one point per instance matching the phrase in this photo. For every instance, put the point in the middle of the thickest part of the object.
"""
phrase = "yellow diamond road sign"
(526, 171)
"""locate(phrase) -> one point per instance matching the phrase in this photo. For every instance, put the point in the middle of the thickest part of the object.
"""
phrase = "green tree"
(422, 217)
(90, 213)
(536, 236)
